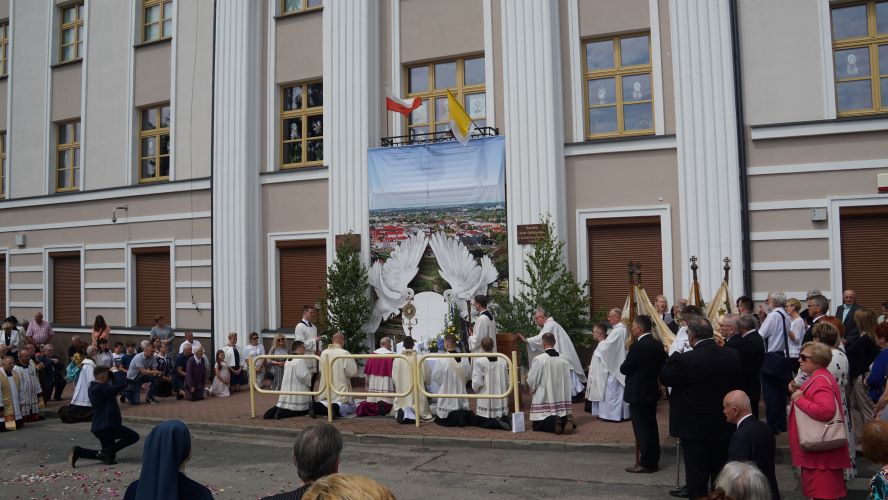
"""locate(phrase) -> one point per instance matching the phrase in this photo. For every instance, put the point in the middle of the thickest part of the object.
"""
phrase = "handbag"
(815, 435)
(778, 364)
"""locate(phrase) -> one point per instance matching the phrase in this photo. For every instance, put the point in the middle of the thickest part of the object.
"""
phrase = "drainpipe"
(212, 176)
(746, 247)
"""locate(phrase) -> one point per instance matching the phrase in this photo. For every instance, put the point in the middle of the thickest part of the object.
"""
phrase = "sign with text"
(528, 234)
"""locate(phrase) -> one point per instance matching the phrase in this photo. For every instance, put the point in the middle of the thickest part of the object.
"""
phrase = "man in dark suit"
(845, 312)
(753, 440)
(818, 308)
(751, 347)
(107, 424)
(700, 378)
(641, 368)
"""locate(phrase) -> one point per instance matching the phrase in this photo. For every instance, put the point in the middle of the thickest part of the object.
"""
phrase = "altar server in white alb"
(342, 372)
(549, 381)
(485, 325)
(307, 332)
(563, 345)
(404, 408)
(296, 378)
(491, 376)
(452, 374)
(379, 372)
(604, 392)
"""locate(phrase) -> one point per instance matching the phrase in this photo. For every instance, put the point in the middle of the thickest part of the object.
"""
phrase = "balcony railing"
(432, 137)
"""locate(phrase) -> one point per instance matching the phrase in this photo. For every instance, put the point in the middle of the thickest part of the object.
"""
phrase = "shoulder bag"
(815, 435)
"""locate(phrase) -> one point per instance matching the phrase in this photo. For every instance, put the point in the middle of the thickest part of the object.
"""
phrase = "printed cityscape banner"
(445, 186)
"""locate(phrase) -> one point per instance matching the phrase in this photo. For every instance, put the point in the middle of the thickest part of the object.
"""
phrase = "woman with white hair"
(741, 481)
(80, 409)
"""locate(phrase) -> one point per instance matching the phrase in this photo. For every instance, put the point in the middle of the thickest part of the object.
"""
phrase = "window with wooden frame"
(464, 77)
(291, 6)
(4, 48)
(157, 19)
(66, 288)
(68, 156)
(302, 125)
(860, 57)
(617, 76)
(3, 164)
(71, 39)
(154, 143)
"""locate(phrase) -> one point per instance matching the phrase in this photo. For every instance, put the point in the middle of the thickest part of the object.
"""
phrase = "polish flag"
(398, 105)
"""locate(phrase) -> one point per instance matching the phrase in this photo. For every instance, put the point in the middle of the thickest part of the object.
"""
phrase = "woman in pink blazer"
(822, 475)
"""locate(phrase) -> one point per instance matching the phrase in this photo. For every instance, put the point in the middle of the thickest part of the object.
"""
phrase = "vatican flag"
(461, 124)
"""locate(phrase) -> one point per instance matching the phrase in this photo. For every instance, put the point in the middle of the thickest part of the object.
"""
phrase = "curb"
(782, 452)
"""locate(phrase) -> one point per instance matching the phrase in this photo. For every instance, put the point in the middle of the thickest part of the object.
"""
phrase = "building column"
(533, 124)
(237, 234)
(706, 130)
(352, 103)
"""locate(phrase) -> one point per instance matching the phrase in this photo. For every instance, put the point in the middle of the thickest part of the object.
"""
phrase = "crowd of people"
(805, 367)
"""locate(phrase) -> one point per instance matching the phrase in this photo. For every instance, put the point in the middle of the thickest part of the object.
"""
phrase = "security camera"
(114, 213)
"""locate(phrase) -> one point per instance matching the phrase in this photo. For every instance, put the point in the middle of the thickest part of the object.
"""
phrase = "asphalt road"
(251, 465)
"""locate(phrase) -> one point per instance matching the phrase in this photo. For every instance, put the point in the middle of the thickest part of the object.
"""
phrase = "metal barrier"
(416, 388)
(513, 376)
(255, 388)
(332, 390)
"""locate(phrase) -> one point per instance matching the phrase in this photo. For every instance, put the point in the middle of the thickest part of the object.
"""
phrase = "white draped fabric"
(81, 390)
(606, 360)
(402, 377)
(451, 377)
(30, 390)
(490, 377)
(549, 381)
(297, 377)
(563, 345)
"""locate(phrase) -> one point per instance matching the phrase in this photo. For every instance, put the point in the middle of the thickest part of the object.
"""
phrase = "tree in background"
(550, 285)
(346, 305)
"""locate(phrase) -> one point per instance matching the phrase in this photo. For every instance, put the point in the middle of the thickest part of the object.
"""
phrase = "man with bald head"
(753, 441)
(342, 372)
(845, 312)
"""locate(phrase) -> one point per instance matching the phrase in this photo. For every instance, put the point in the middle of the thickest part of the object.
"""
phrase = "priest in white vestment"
(549, 381)
(296, 378)
(379, 372)
(342, 373)
(452, 374)
(10, 395)
(485, 326)
(563, 345)
(30, 390)
(491, 376)
(604, 391)
(404, 408)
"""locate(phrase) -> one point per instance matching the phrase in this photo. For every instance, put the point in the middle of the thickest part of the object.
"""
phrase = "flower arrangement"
(452, 325)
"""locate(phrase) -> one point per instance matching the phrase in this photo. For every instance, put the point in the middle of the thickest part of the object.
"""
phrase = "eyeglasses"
(804, 357)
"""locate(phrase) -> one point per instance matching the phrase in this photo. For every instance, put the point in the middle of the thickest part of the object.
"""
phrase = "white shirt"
(797, 327)
(742, 419)
(195, 344)
(772, 330)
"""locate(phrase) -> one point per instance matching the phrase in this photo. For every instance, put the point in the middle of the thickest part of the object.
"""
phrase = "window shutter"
(864, 233)
(66, 289)
(303, 277)
(152, 286)
(612, 244)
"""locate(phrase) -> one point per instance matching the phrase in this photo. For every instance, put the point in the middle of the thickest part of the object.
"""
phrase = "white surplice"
(565, 349)
(402, 377)
(490, 377)
(378, 383)
(451, 376)
(606, 383)
(297, 378)
(81, 390)
(549, 380)
(343, 371)
(485, 326)
(30, 390)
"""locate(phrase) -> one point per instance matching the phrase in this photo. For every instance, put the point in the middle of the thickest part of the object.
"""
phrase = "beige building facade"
(196, 159)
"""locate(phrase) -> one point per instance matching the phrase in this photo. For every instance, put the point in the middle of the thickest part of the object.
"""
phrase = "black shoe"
(122, 399)
(400, 416)
(680, 492)
(311, 411)
(637, 469)
(109, 459)
(73, 455)
(559, 426)
(504, 423)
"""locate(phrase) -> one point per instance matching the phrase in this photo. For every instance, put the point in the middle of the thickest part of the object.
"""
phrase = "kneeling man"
(550, 383)
(491, 376)
(452, 374)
